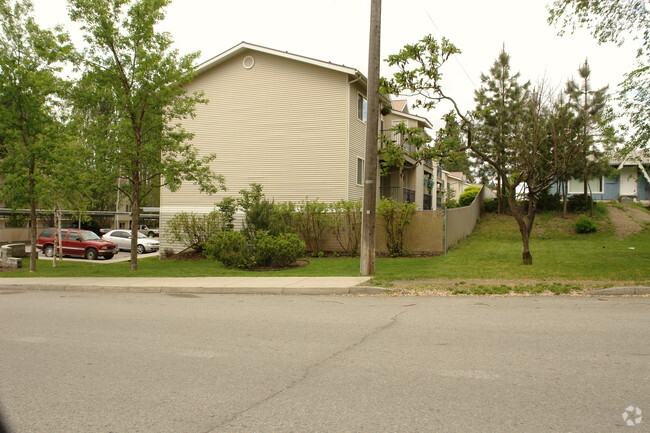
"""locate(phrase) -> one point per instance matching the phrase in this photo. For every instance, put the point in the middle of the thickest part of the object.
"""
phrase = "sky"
(338, 31)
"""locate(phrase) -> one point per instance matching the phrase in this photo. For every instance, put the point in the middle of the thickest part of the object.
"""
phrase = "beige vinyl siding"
(281, 123)
(357, 139)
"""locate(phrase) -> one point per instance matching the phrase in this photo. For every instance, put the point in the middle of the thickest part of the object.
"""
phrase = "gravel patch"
(624, 222)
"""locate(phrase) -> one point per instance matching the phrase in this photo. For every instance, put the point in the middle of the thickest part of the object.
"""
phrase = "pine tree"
(498, 113)
(594, 132)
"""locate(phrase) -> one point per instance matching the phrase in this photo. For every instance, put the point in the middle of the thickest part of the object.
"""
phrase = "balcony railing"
(427, 204)
(398, 194)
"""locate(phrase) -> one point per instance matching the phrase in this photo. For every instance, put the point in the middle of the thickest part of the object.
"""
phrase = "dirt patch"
(3, 269)
(624, 223)
(190, 255)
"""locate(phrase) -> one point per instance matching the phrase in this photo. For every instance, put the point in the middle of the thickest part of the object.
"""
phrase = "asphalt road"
(119, 362)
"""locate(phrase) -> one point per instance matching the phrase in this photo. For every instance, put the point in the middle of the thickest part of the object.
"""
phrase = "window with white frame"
(362, 107)
(360, 170)
(576, 186)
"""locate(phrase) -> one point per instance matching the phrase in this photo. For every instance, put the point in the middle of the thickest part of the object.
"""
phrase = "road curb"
(629, 290)
(357, 290)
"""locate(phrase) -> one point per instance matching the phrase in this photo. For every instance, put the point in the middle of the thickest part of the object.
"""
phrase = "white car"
(123, 240)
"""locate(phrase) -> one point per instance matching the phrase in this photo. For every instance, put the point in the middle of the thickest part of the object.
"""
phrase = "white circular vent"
(249, 62)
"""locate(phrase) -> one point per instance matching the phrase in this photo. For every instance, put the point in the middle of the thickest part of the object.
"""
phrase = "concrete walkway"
(216, 285)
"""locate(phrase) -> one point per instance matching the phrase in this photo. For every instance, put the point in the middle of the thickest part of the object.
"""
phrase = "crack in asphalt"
(308, 371)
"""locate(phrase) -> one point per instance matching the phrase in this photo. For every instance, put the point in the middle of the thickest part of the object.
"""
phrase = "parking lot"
(122, 256)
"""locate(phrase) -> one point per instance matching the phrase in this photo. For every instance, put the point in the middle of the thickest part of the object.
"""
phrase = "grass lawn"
(493, 251)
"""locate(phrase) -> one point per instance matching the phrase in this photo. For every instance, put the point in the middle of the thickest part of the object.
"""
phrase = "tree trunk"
(135, 219)
(565, 189)
(33, 255)
(499, 196)
(57, 232)
(525, 223)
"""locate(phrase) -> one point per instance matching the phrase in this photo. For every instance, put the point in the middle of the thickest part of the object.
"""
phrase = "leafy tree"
(531, 161)
(30, 110)
(452, 137)
(619, 22)
(131, 101)
(414, 143)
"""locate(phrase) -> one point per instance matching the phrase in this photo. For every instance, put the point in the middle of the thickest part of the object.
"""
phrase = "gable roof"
(424, 120)
(400, 105)
(242, 46)
(635, 157)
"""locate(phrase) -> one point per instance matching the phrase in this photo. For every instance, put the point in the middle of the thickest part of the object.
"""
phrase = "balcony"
(427, 204)
(398, 194)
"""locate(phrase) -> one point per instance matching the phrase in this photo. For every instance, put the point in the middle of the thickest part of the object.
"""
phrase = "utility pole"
(372, 135)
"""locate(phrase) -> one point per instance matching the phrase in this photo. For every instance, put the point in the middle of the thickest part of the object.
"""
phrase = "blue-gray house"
(631, 183)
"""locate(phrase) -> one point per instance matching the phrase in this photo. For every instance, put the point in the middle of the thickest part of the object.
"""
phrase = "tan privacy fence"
(14, 234)
(462, 220)
(430, 232)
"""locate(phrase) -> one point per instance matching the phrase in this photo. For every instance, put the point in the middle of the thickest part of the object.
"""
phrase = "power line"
(455, 57)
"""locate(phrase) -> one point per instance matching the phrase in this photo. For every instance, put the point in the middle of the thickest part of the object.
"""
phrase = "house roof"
(400, 105)
(400, 108)
(634, 157)
(237, 49)
(424, 120)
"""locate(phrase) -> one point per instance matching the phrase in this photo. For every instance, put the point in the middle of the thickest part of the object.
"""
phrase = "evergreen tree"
(622, 22)
(593, 127)
(499, 104)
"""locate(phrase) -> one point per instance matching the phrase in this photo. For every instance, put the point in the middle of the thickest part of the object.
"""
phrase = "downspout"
(356, 79)
(348, 120)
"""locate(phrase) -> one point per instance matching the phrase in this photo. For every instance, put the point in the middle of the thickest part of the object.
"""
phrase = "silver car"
(123, 240)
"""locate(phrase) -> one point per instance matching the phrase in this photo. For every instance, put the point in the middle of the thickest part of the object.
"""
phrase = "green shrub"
(585, 224)
(396, 217)
(232, 249)
(345, 221)
(286, 213)
(468, 196)
(490, 205)
(228, 206)
(278, 251)
(548, 201)
(450, 199)
(192, 231)
(312, 221)
(260, 213)
(579, 203)
(261, 216)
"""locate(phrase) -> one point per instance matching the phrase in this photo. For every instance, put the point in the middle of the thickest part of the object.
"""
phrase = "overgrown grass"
(493, 251)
